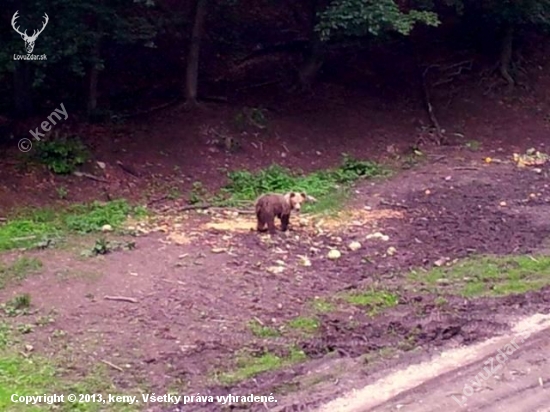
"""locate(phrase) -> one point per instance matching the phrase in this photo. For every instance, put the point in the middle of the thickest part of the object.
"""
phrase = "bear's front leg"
(285, 219)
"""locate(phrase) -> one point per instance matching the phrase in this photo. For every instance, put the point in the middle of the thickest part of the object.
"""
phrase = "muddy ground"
(197, 289)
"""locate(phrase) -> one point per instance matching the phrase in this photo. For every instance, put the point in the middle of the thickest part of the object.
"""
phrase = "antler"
(15, 17)
(35, 34)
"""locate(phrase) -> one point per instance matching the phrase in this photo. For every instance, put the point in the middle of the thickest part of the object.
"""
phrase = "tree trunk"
(506, 56)
(22, 82)
(192, 72)
(94, 77)
(314, 59)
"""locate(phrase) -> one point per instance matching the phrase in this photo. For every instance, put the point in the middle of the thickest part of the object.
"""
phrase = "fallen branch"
(17, 239)
(160, 199)
(89, 176)
(385, 203)
(121, 299)
(127, 169)
(465, 168)
(150, 110)
(195, 207)
(112, 365)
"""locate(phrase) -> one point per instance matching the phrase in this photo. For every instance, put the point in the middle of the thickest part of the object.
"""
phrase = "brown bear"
(271, 205)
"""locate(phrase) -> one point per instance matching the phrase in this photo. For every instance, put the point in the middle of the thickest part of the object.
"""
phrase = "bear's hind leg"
(271, 226)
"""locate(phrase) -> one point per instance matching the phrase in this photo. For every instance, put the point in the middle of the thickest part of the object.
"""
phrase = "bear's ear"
(291, 194)
(304, 195)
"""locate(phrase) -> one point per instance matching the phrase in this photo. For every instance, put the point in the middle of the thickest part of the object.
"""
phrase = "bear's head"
(295, 200)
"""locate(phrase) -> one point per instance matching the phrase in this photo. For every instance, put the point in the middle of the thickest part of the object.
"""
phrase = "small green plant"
(473, 145)
(353, 169)
(173, 193)
(262, 331)
(198, 193)
(62, 156)
(249, 366)
(58, 333)
(25, 328)
(440, 301)
(303, 324)
(44, 320)
(103, 246)
(322, 306)
(375, 300)
(255, 117)
(4, 335)
(18, 305)
(62, 192)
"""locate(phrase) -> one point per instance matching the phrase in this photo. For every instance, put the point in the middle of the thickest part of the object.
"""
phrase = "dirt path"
(508, 373)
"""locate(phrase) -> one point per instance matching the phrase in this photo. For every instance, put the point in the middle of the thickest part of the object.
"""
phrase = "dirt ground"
(194, 300)
(198, 285)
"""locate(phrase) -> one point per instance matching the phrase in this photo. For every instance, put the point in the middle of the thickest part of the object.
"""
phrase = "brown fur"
(273, 205)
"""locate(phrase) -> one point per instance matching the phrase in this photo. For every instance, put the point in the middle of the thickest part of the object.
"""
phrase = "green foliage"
(103, 246)
(62, 192)
(370, 17)
(304, 324)
(92, 217)
(504, 13)
(263, 331)
(198, 193)
(30, 227)
(62, 156)
(18, 305)
(255, 117)
(244, 185)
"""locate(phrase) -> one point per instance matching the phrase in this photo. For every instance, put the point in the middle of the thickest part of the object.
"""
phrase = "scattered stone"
(334, 254)
(353, 246)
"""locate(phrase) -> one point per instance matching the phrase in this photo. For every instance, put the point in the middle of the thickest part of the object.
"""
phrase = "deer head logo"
(29, 40)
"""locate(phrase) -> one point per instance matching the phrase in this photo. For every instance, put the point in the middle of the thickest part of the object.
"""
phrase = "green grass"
(35, 375)
(473, 145)
(376, 300)
(18, 270)
(30, 227)
(330, 187)
(249, 366)
(262, 331)
(304, 324)
(489, 275)
(322, 306)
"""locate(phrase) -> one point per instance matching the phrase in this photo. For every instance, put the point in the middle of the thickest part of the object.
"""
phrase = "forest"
(136, 136)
